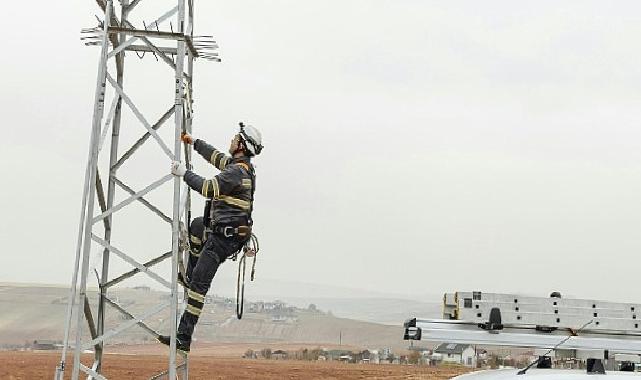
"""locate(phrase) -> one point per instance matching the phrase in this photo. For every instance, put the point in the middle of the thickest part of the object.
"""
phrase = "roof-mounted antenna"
(572, 333)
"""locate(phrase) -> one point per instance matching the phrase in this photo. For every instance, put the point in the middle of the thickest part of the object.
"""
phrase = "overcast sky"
(411, 147)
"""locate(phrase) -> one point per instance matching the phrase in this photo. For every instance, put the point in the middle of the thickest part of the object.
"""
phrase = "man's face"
(234, 144)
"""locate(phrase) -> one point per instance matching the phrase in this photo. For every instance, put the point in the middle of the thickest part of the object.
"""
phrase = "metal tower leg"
(111, 187)
(99, 99)
(178, 116)
(87, 193)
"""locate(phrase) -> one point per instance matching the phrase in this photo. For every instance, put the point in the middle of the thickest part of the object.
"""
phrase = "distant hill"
(30, 312)
(389, 311)
(366, 305)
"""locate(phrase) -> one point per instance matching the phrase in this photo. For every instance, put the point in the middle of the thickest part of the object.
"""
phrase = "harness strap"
(249, 250)
(229, 231)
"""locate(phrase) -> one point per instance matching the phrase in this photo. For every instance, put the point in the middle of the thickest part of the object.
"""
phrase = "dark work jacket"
(231, 191)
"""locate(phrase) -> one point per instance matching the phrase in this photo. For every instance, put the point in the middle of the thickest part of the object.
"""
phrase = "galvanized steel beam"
(142, 200)
(124, 312)
(134, 271)
(144, 138)
(131, 261)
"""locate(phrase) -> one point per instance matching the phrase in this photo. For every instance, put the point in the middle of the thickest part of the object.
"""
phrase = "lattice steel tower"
(170, 39)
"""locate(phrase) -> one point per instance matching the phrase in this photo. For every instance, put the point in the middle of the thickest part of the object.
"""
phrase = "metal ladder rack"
(536, 322)
(544, 311)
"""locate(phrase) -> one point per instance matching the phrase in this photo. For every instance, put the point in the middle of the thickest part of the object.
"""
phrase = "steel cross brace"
(131, 261)
(110, 116)
(140, 323)
(162, 55)
(156, 49)
(91, 372)
(139, 115)
(137, 195)
(101, 199)
(126, 325)
(130, 41)
(133, 272)
(144, 138)
(142, 200)
(132, 5)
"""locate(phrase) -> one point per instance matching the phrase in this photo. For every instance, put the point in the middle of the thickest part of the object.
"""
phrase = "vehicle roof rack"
(537, 322)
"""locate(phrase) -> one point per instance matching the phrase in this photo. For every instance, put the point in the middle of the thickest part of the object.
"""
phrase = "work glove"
(186, 138)
(178, 168)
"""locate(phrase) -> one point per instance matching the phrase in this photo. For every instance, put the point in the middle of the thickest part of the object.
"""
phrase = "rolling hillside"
(35, 312)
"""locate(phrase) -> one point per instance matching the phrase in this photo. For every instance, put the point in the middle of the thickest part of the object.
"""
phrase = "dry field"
(41, 365)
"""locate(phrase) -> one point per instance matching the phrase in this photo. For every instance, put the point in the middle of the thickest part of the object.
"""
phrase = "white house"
(457, 353)
(374, 357)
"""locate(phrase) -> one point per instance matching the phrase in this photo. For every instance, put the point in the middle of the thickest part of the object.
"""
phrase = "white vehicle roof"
(545, 374)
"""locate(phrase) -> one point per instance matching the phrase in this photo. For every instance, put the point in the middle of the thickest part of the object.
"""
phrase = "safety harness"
(243, 231)
(250, 249)
(229, 231)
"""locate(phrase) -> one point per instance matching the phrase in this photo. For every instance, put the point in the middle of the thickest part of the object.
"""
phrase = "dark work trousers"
(196, 237)
(194, 255)
(216, 250)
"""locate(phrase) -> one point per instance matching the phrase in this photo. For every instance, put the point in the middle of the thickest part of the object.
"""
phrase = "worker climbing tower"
(170, 39)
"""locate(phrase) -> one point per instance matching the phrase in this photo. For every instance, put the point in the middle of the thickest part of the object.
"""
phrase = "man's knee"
(216, 250)
(196, 236)
(217, 257)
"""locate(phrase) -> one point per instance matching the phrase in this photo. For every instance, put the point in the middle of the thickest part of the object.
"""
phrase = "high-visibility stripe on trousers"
(195, 302)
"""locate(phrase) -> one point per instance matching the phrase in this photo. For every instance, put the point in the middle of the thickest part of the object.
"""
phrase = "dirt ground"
(41, 365)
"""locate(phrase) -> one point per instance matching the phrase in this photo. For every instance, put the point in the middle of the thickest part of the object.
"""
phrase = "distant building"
(463, 354)
(337, 354)
(46, 344)
(365, 356)
(257, 307)
(425, 355)
(385, 353)
(279, 354)
(374, 357)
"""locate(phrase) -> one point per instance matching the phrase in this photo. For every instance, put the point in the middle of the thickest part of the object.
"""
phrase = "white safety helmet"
(252, 139)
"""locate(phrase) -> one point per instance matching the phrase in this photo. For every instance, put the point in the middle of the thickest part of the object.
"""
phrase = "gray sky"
(411, 146)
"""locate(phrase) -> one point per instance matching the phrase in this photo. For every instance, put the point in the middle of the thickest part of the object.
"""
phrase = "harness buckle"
(230, 234)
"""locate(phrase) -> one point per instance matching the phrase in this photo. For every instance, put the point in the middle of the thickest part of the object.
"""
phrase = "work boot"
(181, 346)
